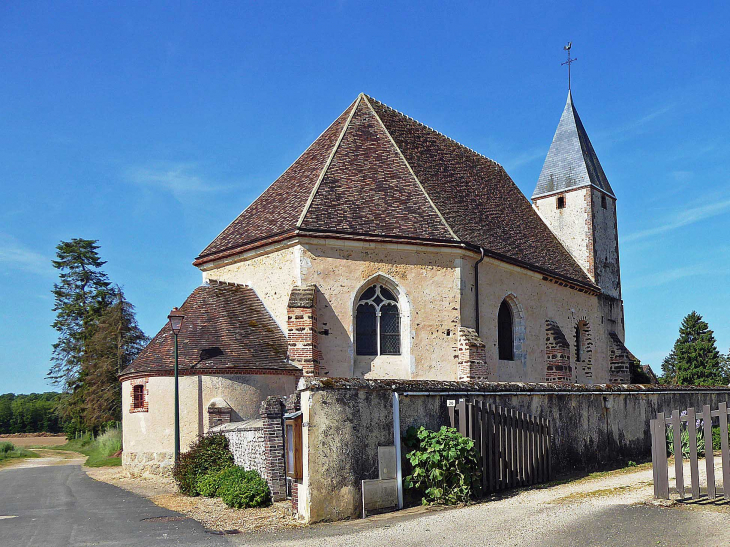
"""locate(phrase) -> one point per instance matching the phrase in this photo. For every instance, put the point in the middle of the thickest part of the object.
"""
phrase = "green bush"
(240, 488)
(6, 447)
(209, 454)
(684, 436)
(209, 485)
(444, 465)
(716, 439)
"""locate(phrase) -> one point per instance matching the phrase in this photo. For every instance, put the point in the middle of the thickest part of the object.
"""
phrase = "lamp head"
(176, 320)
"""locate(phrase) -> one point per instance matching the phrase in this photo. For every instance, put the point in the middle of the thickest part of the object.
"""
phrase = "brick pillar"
(302, 329)
(472, 356)
(272, 413)
(619, 370)
(557, 354)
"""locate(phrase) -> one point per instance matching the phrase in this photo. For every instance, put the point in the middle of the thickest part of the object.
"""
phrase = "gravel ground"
(212, 513)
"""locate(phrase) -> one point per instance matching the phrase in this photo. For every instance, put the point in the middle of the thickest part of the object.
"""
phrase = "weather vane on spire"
(569, 61)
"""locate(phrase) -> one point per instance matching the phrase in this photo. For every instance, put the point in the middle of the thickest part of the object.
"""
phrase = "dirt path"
(47, 458)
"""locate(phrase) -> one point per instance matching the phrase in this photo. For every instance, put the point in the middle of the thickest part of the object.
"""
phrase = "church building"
(388, 250)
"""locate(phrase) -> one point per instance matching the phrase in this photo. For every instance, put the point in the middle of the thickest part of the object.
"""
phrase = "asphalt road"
(61, 506)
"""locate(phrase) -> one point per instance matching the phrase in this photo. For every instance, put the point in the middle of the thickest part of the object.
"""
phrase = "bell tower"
(576, 201)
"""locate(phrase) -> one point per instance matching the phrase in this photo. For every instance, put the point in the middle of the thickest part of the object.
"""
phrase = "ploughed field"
(30, 439)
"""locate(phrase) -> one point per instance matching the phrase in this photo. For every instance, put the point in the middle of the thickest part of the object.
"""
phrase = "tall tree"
(81, 296)
(698, 361)
(116, 341)
(669, 369)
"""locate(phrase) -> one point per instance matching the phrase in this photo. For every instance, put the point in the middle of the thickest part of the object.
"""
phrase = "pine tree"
(81, 296)
(698, 361)
(669, 369)
(116, 341)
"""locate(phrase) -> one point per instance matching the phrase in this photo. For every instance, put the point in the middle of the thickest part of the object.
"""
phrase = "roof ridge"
(434, 131)
(328, 162)
(415, 177)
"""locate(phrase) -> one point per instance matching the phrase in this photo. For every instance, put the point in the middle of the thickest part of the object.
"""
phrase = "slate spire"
(571, 161)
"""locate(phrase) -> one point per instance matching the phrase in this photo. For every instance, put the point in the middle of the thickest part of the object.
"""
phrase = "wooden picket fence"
(513, 447)
(659, 452)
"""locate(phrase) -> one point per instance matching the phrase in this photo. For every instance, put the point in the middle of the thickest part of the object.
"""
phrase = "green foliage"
(10, 451)
(240, 488)
(30, 413)
(208, 455)
(669, 369)
(684, 437)
(698, 361)
(444, 465)
(717, 439)
(100, 450)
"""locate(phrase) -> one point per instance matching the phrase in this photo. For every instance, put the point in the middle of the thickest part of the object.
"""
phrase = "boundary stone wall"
(345, 420)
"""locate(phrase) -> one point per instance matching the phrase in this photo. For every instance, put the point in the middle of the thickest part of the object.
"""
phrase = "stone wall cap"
(414, 386)
(245, 425)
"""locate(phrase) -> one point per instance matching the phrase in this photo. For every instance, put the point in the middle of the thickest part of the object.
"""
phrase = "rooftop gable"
(377, 172)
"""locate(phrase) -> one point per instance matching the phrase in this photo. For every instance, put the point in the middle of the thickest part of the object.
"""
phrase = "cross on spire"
(569, 61)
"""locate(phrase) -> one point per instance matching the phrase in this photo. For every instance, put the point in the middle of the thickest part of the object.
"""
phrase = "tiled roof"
(226, 327)
(378, 173)
(571, 161)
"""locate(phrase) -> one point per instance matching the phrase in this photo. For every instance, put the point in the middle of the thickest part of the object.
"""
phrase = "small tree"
(698, 361)
(669, 369)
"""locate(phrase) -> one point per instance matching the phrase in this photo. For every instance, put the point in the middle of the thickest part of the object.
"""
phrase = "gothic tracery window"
(505, 332)
(377, 322)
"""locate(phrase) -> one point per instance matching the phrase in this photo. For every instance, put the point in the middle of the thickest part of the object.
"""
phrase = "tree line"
(98, 336)
(30, 413)
(695, 359)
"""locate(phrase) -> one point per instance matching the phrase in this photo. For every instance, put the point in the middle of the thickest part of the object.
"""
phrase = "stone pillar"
(619, 369)
(472, 364)
(557, 354)
(272, 413)
(302, 329)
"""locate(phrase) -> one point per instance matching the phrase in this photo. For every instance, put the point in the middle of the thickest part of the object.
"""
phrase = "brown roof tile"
(377, 172)
(226, 327)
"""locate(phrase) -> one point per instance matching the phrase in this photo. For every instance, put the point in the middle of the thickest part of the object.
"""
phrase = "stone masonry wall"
(472, 356)
(246, 443)
(557, 354)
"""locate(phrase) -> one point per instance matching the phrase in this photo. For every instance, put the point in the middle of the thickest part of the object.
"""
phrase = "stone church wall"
(429, 281)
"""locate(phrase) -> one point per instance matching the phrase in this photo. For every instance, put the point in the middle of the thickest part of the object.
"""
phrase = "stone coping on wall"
(447, 387)
(245, 425)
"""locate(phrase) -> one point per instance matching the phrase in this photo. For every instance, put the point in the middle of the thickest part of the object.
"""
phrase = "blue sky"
(150, 125)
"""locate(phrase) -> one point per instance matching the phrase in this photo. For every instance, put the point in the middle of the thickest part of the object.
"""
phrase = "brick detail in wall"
(620, 359)
(584, 367)
(272, 414)
(302, 334)
(472, 363)
(145, 407)
(557, 354)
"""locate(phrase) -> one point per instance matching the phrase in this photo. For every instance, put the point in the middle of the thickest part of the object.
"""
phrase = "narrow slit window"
(603, 202)
(505, 332)
(560, 202)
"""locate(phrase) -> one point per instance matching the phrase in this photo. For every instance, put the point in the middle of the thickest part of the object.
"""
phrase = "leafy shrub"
(444, 465)
(240, 488)
(684, 437)
(716, 439)
(209, 485)
(6, 447)
(209, 454)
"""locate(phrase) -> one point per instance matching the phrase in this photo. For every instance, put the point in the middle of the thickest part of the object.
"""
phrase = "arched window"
(578, 344)
(505, 332)
(377, 322)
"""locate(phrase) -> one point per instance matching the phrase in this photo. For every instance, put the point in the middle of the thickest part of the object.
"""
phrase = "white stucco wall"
(149, 437)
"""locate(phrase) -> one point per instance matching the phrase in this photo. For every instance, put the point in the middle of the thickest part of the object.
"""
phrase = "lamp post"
(176, 320)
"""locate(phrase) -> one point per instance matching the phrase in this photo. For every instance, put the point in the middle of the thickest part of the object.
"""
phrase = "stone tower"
(576, 201)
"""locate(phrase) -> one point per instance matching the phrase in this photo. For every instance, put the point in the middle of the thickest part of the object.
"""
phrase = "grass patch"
(8, 452)
(100, 451)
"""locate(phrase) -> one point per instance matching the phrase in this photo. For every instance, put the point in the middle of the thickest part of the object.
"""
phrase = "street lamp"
(176, 321)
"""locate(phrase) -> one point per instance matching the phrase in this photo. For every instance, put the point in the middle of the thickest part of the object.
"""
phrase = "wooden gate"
(659, 452)
(514, 447)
